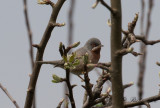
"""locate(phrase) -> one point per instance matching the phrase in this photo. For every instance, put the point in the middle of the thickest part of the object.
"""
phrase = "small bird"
(92, 47)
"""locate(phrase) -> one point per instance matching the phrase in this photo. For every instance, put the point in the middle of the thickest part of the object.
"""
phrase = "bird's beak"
(102, 45)
(97, 48)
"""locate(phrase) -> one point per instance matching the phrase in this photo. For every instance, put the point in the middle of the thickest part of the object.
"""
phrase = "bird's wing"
(81, 52)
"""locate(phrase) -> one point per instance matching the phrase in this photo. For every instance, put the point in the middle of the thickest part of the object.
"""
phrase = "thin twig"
(145, 41)
(105, 5)
(9, 96)
(97, 91)
(128, 85)
(63, 52)
(143, 48)
(29, 32)
(70, 21)
(60, 103)
(30, 42)
(71, 98)
(70, 29)
(88, 86)
(147, 104)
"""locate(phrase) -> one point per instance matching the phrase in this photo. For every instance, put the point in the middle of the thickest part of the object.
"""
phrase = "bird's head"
(94, 45)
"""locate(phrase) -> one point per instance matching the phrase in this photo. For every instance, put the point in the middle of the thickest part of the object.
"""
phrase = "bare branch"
(29, 32)
(147, 104)
(106, 64)
(9, 96)
(132, 25)
(97, 91)
(98, 65)
(136, 54)
(30, 42)
(70, 89)
(158, 63)
(46, 2)
(95, 4)
(124, 51)
(88, 86)
(105, 5)
(60, 103)
(143, 101)
(145, 41)
(128, 85)
(57, 24)
(36, 46)
(40, 52)
(143, 48)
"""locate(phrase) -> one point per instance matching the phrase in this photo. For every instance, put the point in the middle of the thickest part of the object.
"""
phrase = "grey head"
(93, 43)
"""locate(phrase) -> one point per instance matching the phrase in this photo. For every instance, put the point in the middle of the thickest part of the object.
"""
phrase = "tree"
(118, 50)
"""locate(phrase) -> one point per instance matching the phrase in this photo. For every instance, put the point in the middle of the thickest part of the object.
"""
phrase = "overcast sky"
(14, 55)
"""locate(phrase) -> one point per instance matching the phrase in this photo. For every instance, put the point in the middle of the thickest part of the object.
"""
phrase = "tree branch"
(10, 97)
(143, 48)
(97, 91)
(40, 52)
(29, 32)
(60, 103)
(116, 61)
(145, 41)
(70, 89)
(105, 5)
(30, 42)
(143, 101)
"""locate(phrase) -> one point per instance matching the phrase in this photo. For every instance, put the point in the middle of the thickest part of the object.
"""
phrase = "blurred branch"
(40, 51)
(143, 48)
(158, 63)
(9, 96)
(60, 103)
(30, 42)
(29, 32)
(70, 21)
(70, 29)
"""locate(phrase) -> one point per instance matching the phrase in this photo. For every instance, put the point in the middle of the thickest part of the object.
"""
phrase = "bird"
(92, 47)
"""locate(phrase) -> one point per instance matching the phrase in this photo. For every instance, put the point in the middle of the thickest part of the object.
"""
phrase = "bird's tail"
(57, 63)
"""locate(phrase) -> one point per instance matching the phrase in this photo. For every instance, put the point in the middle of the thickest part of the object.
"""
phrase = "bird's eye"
(93, 45)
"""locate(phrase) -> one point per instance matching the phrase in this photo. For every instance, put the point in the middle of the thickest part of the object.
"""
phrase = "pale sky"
(88, 23)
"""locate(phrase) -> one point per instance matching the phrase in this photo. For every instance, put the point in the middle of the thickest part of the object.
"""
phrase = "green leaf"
(99, 105)
(65, 58)
(85, 58)
(56, 79)
(71, 57)
(76, 62)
